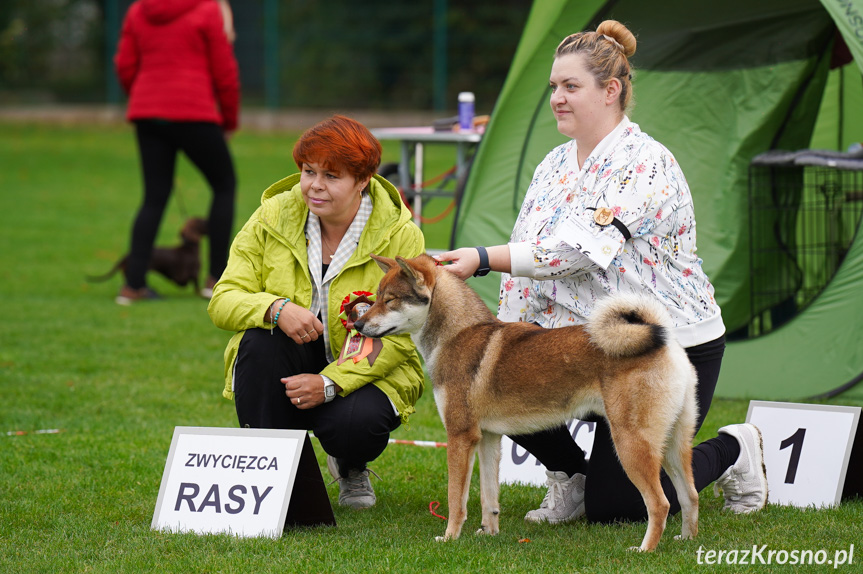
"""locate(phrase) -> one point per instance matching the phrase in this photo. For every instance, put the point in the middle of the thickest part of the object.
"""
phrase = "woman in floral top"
(610, 212)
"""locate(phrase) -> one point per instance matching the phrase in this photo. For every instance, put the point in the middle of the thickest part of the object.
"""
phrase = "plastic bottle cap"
(465, 97)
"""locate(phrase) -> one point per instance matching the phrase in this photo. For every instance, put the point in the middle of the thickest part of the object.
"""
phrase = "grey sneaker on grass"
(564, 500)
(355, 489)
(744, 484)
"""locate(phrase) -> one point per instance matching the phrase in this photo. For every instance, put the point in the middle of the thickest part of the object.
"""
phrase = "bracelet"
(484, 267)
(275, 320)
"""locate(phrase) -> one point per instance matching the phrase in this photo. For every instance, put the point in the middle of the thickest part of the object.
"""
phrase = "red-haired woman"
(296, 270)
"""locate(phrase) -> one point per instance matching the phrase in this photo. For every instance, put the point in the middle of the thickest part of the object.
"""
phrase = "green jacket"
(269, 260)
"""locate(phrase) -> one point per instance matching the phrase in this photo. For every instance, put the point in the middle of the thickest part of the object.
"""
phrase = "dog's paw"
(684, 537)
(637, 549)
(440, 538)
(485, 530)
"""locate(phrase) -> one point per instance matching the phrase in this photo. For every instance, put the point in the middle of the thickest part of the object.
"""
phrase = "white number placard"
(235, 481)
(806, 450)
(519, 466)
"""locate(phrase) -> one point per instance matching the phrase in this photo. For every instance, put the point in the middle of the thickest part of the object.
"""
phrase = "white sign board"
(517, 466)
(806, 450)
(235, 481)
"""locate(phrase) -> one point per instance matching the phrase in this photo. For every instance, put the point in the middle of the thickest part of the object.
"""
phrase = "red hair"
(340, 144)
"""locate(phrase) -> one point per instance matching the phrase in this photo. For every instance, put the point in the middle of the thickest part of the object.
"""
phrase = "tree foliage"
(375, 54)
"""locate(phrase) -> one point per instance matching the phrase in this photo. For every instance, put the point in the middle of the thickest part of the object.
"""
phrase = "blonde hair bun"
(618, 33)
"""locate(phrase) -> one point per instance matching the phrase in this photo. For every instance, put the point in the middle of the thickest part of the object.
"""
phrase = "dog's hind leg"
(460, 455)
(641, 459)
(678, 466)
(489, 480)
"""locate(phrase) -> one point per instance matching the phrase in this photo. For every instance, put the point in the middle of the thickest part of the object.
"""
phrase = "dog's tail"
(106, 276)
(629, 325)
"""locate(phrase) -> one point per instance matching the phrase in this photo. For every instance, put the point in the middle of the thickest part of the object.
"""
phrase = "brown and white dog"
(492, 378)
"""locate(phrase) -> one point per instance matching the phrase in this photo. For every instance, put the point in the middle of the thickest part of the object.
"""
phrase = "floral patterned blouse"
(565, 256)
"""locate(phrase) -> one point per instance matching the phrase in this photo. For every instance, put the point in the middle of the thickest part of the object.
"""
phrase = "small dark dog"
(180, 264)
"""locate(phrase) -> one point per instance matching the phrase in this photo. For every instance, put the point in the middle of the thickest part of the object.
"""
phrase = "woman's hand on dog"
(305, 391)
(297, 322)
(463, 262)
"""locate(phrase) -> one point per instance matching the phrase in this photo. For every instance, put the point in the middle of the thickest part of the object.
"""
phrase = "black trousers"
(354, 429)
(609, 495)
(204, 144)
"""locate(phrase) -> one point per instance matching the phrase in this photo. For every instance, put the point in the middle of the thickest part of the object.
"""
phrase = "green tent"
(718, 83)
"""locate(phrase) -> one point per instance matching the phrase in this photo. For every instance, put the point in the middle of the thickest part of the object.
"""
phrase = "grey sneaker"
(744, 484)
(564, 500)
(355, 489)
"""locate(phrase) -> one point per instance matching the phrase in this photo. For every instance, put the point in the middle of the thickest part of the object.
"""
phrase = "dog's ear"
(194, 229)
(384, 263)
(413, 274)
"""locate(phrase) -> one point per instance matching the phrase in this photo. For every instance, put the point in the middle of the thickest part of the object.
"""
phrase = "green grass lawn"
(117, 380)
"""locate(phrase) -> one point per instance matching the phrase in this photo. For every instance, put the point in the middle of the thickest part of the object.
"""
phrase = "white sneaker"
(355, 489)
(564, 500)
(744, 484)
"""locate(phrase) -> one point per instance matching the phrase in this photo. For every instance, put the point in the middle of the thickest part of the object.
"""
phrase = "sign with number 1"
(806, 450)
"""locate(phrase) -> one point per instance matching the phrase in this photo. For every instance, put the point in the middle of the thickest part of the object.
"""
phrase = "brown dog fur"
(492, 378)
(181, 263)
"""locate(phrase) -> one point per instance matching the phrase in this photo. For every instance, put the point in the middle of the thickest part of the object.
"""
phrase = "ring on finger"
(298, 400)
(304, 335)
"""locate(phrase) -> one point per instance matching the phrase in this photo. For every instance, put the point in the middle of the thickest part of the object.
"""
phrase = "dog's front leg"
(489, 481)
(460, 452)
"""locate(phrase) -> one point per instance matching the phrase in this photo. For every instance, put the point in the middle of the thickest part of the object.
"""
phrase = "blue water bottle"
(465, 110)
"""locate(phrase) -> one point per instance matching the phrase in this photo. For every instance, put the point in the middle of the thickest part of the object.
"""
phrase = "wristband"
(483, 268)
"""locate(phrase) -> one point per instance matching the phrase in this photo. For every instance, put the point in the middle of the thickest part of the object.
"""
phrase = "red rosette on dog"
(353, 307)
(356, 346)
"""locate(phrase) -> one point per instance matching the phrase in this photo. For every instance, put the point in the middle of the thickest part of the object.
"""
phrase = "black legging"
(205, 146)
(609, 495)
(354, 429)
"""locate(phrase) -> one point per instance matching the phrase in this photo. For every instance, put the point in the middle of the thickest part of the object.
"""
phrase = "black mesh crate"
(804, 212)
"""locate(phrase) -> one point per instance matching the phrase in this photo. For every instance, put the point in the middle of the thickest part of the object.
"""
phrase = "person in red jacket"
(176, 63)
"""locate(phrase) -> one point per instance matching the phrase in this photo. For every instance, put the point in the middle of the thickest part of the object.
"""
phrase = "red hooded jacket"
(175, 62)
